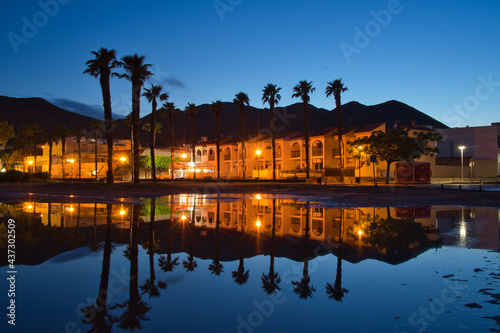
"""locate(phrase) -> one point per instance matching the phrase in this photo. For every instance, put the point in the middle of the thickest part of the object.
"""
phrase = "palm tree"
(335, 88)
(137, 72)
(190, 264)
(337, 292)
(96, 126)
(49, 138)
(152, 94)
(25, 133)
(191, 110)
(35, 129)
(302, 287)
(217, 108)
(62, 132)
(101, 67)
(241, 100)
(271, 95)
(79, 133)
(302, 90)
(270, 282)
(216, 267)
(170, 110)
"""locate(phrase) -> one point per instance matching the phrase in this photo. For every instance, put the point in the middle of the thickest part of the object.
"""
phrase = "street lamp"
(123, 159)
(184, 155)
(462, 160)
(258, 152)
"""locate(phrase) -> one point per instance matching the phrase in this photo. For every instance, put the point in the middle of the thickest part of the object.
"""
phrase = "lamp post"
(462, 161)
(184, 155)
(258, 152)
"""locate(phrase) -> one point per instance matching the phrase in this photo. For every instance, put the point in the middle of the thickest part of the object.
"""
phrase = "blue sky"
(441, 57)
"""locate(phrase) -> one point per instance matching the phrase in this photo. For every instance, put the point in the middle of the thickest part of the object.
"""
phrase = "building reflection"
(391, 234)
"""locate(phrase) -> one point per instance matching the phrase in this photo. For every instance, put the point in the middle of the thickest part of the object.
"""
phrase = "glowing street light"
(30, 162)
(462, 160)
(258, 224)
(123, 159)
(184, 155)
(258, 152)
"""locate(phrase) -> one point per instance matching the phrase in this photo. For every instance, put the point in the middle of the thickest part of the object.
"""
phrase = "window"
(295, 150)
(317, 148)
(227, 154)
(211, 155)
(278, 151)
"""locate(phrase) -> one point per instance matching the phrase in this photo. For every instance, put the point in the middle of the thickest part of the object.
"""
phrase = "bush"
(14, 176)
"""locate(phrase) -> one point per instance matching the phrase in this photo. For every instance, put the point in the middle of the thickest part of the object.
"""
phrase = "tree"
(217, 108)
(216, 267)
(241, 100)
(241, 276)
(302, 90)
(152, 94)
(335, 88)
(49, 139)
(191, 110)
(271, 281)
(137, 72)
(398, 145)
(35, 129)
(170, 110)
(101, 67)
(96, 126)
(6, 133)
(25, 133)
(62, 132)
(79, 133)
(271, 95)
(336, 291)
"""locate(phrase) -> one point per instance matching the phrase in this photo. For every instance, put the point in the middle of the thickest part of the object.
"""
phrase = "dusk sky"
(441, 57)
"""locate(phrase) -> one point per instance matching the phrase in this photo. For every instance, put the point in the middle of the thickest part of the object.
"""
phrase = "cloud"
(94, 111)
(176, 83)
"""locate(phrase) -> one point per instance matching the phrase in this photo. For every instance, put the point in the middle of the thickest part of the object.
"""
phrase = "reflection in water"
(232, 232)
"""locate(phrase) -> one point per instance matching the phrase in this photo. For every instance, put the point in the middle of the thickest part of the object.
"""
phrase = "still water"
(190, 263)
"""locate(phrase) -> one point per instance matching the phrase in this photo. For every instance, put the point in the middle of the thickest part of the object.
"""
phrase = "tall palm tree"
(79, 133)
(101, 66)
(25, 133)
(168, 264)
(337, 292)
(96, 127)
(49, 139)
(241, 100)
(217, 107)
(35, 129)
(191, 110)
(302, 287)
(271, 95)
(190, 264)
(302, 90)
(170, 110)
(271, 281)
(152, 94)
(335, 88)
(137, 72)
(62, 132)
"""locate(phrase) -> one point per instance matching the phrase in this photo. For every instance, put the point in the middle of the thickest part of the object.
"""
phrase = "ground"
(345, 195)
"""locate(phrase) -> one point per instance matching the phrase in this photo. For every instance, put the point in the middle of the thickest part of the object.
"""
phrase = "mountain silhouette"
(27, 111)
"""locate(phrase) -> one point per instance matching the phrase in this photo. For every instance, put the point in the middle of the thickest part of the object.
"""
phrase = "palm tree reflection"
(216, 267)
(168, 264)
(190, 264)
(302, 287)
(136, 309)
(149, 286)
(96, 314)
(337, 292)
(241, 276)
(270, 282)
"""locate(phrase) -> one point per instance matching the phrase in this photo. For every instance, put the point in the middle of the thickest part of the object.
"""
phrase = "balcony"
(317, 152)
(211, 157)
(295, 153)
(227, 157)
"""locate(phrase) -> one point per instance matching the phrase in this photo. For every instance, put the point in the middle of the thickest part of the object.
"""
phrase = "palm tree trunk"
(108, 118)
(63, 153)
(153, 141)
(387, 172)
(102, 296)
(50, 159)
(273, 140)
(242, 125)
(34, 152)
(95, 153)
(217, 133)
(171, 125)
(193, 143)
(306, 137)
(341, 143)
(136, 109)
(79, 160)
